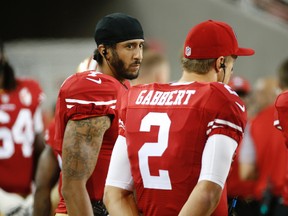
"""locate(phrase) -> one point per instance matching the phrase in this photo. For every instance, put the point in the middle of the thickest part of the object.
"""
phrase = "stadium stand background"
(48, 39)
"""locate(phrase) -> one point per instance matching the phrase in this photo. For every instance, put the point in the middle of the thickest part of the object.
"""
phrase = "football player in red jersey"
(177, 140)
(86, 114)
(281, 122)
(21, 137)
(46, 196)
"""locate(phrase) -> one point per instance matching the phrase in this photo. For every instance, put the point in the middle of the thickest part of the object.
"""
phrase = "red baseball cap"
(211, 39)
(239, 84)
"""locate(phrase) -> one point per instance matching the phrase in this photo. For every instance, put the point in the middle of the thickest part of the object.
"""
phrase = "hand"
(99, 208)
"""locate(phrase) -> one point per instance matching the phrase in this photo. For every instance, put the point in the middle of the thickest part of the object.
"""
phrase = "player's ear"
(102, 50)
(219, 64)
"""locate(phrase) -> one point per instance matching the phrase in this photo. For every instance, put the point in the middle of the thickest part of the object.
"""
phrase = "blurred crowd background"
(48, 39)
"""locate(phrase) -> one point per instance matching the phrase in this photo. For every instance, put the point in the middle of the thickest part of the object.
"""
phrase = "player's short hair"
(200, 66)
(2, 59)
(9, 77)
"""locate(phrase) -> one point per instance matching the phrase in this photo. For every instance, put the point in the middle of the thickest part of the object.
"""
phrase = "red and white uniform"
(281, 122)
(20, 120)
(166, 129)
(49, 139)
(50, 134)
(266, 142)
(85, 95)
(281, 105)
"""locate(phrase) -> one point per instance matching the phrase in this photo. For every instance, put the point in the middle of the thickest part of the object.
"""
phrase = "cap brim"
(245, 52)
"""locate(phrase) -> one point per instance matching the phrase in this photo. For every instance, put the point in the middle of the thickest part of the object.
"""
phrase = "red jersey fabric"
(18, 127)
(281, 116)
(50, 134)
(166, 128)
(270, 153)
(85, 95)
(281, 105)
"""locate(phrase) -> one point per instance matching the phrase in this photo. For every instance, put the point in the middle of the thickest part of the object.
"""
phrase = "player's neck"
(108, 69)
(191, 76)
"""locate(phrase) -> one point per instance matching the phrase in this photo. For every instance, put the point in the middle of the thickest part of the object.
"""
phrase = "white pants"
(12, 201)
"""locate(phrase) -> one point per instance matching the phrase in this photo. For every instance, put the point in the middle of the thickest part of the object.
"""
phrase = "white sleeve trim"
(216, 159)
(119, 173)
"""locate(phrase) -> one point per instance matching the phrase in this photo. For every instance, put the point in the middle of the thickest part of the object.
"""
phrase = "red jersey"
(85, 95)
(281, 116)
(270, 153)
(50, 134)
(20, 120)
(166, 127)
(281, 105)
(49, 139)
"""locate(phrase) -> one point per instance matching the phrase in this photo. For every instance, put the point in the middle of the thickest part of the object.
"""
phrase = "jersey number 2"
(155, 149)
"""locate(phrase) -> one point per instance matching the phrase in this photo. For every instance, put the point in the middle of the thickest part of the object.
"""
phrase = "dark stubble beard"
(119, 67)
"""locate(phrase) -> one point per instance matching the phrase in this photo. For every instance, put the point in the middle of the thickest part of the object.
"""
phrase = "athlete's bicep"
(119, 174)
(81, 145)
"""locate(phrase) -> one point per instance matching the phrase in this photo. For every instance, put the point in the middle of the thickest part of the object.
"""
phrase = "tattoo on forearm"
(81, 146)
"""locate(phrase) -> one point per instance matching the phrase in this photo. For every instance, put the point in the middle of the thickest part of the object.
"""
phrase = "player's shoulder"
(92, 76)
(224, 90)
(155, 86)
(135, 90)
(30, 86)
(224, 96)
(282, 100)
(91, 80)
(27, 82)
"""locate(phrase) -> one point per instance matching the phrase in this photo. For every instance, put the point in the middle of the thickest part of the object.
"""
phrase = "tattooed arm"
(81, 146)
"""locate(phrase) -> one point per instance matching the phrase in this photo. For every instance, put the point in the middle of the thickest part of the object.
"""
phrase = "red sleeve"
(231, 115)
(281, 115)
(49, 133)
(49, 136)
(84, 95)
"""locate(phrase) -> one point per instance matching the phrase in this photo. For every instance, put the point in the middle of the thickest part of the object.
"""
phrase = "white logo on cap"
(187, 51)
